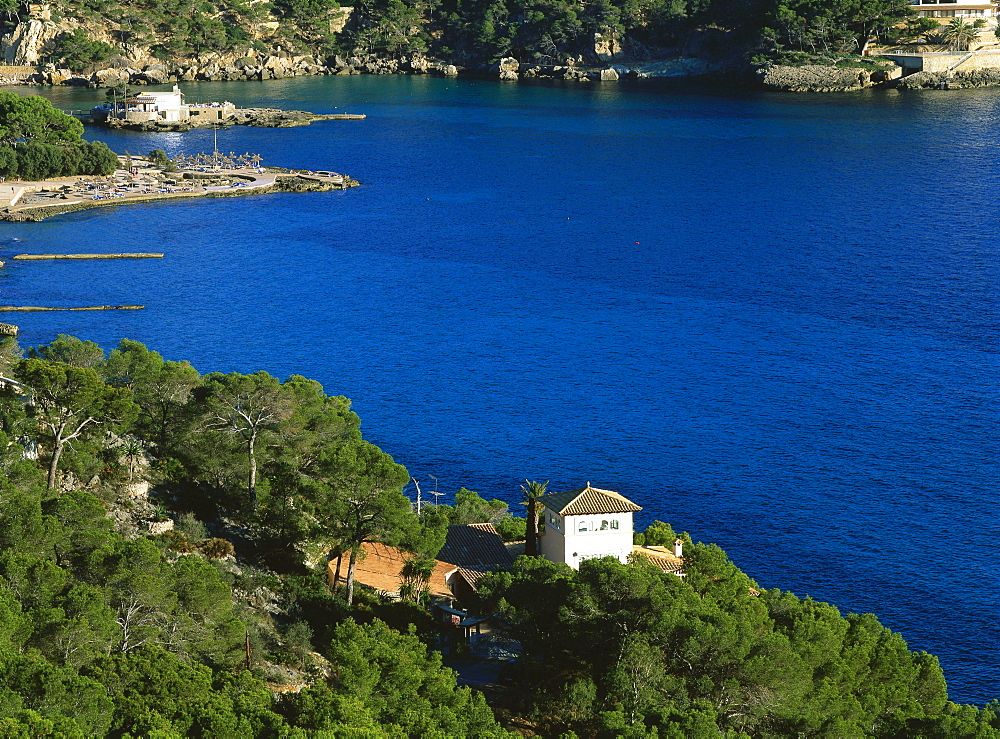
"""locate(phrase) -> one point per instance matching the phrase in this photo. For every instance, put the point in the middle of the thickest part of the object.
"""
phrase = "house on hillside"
(379, 568)
(589, 523)
(586, 523)
(475, 549)
(945, 11)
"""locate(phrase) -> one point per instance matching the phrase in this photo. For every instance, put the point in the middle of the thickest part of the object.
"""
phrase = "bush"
(512, 528)
(98, 159)
(217, 548)
(38, 161)
(175, 541)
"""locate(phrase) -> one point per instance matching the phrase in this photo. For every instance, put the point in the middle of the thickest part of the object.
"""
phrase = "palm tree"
(960, 34)
(132, 453)
(532, 491)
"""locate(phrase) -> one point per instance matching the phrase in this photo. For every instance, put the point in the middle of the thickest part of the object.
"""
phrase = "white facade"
(167, 104)
(572, 539)
(586, 524)
(945, 10)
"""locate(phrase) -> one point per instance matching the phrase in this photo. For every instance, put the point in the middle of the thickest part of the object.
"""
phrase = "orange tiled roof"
(379, 569)
(661, 557)
(588, 500)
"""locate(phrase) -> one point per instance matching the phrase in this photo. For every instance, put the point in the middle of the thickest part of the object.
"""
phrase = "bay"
(771, 320)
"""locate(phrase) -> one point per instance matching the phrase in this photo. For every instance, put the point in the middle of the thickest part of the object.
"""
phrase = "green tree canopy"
(625, 649)
(71, 402)
(32, 118)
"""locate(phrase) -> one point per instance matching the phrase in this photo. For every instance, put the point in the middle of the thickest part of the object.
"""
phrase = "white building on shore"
(945, 11)
(168, 107)
(586, 523)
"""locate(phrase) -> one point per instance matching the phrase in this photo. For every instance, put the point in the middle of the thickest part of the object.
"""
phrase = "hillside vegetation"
(83, 34)
(163, 539)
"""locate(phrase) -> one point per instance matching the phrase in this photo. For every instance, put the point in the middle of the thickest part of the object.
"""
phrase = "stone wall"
(935, 62)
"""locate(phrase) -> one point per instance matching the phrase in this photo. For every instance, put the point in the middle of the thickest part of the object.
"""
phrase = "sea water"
(771, 320)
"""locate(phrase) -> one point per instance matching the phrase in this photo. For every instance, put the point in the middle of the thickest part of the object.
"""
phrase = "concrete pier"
(137, 255)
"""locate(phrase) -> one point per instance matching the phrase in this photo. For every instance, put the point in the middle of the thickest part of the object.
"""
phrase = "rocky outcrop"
(506, 68)
(249, 66)
(24, 44)
(950, 81)
(680, 67)
(260, 117)
(821, 78)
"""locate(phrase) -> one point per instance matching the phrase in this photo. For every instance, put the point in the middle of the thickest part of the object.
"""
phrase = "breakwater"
(43, 309)
(41, 257)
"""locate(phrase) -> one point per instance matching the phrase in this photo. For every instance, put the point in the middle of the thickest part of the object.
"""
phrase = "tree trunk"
(54, 464)
(253, 473)
(531, 534)
(336, 573)
(350, 575)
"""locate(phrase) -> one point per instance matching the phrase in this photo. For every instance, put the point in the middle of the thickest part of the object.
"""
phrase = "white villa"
(589, 523)
(165, 106)
(585, 524)
(945, 10)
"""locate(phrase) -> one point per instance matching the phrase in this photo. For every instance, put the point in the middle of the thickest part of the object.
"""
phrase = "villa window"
(582, 528)
(614, 523)
(604, 526)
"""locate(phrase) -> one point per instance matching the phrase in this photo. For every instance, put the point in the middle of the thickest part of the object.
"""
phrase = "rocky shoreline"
(259, 117)
(784, 78)
(825, 78)
(278, 65)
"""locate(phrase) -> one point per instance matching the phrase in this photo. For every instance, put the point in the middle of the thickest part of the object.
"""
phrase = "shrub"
(217, 548)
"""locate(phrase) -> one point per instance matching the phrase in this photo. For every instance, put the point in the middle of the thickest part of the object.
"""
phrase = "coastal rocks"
(506, 68)
(681, 67)
(155, 74)
(260, 117)
(274, 118)
(111, 77)
(607, 46)
(954, 81)
(17, 216)
(609, 75)
(820, 78)
(921, 81)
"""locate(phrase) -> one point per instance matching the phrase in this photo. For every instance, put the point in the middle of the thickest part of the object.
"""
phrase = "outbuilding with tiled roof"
(587, 523)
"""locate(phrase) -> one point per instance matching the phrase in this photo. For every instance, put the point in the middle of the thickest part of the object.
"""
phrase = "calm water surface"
(770, 320)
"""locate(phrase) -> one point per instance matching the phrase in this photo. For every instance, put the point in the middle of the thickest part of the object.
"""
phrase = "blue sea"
(771, 320)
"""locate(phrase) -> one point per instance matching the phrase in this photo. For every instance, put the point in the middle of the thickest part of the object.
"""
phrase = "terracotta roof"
(476, 546)
(662, 558)
(472, 576)
(588, 500)
(379, 570)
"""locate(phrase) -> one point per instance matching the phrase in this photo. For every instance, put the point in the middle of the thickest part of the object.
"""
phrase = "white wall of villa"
(166, 106)
(573, 539)
(946, 10)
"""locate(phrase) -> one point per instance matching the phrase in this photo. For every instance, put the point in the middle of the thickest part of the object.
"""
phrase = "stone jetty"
(38, 309)
(37, 257)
